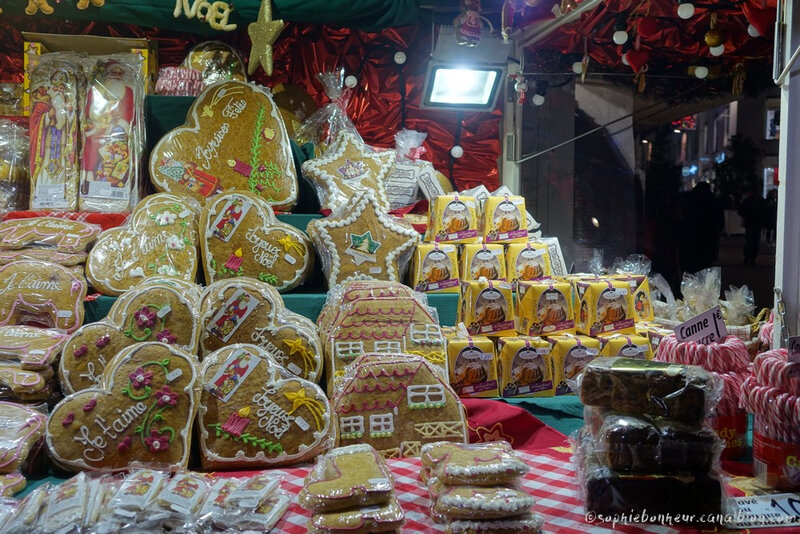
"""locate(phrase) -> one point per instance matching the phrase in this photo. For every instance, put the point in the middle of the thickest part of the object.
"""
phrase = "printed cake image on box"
(435, 268)
(571, 355)
(453, 219)
(604, 308)
(544, 308)
(486, 308)
(473, 371)
(483, 261)
(504, 220)
(525, 367)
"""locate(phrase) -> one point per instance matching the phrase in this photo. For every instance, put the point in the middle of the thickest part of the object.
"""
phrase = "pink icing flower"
(103, 341)
(165, 336)
(145, 318)
(166, 397)
(157, 442)
(81, 351)
(140, 378)
(125, 444)
(68, 419)
(89, 406)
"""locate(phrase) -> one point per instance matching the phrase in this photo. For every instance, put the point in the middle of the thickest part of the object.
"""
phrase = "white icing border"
(63, 372)
(269, 222)
(350, 216)
(191, 117)
(522, 523)
(108, 390)
(314, 171)
(521, 500)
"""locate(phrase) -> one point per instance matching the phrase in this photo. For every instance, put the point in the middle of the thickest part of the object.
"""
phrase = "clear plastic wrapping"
(264, 516)
(34, 348)
(637, 444)
(112, 133)
(680, 392)
(48, 233)
(347, 477)
(486, 307)
(475, 464)
(526, 524)
(21, 436)
(402, 184)
(57, 83)
(179, 81)
(216, 62)
(608, 492)
(633, 264)
(324, 125)
(478, 502)
(738, 306)
(384, 517)
(701, 291)
(30, 512)
(363, 242)
(14, 161)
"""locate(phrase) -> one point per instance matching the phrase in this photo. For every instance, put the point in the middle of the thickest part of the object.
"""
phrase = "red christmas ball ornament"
(647, 27)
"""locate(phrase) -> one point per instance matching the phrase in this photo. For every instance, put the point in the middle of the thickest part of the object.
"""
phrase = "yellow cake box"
(625, 345)
(434, 268)
(486, 308)
(544, 308)
(639, 296)
(504, 220)
(483, 261)
(525, 367)
(604, 307)
(527, 261)
(473, 366)
(571, 354)
(654, 334)
(453, 219)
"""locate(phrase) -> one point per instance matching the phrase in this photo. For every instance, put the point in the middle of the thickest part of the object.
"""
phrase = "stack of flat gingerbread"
(351, 491)
(475, 488)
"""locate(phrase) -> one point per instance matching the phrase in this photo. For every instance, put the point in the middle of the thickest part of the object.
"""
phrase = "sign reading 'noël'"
(708, 327)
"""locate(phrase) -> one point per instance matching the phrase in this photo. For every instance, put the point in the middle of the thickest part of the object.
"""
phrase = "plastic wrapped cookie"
(216, 62)
(386, 517)
(484, 464)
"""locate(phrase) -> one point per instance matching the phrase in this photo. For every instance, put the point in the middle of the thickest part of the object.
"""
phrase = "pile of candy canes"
(772, 393)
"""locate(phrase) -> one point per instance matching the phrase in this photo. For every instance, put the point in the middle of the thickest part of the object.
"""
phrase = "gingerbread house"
(386, 326)
(397, 403)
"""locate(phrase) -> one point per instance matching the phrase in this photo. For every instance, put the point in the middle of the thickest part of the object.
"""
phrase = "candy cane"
(730, 355)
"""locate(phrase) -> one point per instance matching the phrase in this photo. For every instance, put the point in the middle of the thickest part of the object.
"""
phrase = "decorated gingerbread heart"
(248, 419)
(58, 235)
(234, 138)
(143, 412)
(160, 238)
(35, 348)
(21, 429)
(23, 385)
(43, 254)
(243, 238)
(41, 294)
(86, 354)
(244, 310)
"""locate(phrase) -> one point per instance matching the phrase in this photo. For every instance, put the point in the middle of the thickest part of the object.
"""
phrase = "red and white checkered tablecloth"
(551, 481)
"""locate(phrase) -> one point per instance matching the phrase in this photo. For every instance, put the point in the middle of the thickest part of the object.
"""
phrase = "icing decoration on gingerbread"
(21, 429)
(242, 237)
(234, 139)
(34, 348)
(148, 394)
(62, 236)
(347, 169)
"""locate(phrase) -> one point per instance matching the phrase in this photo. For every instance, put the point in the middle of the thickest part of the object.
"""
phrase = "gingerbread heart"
(234, 138)
(243, 238)
(190, 290)
(42, 294)
(35, 348)
(86, 354)
(21, 428)
(244, 310)
(248, 419)
(59, 235)
(160, 238)
(158, 312)
(12, 483)
(143, 412)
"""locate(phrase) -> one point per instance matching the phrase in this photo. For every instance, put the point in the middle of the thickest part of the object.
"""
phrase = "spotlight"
(645, 141)
(400, 58)
(752, 31)
(676, 130)
(701, 72)
(457, 151)
(351, 81)
(541, 90)
(577, 67)
(685, 9)
(717, 50)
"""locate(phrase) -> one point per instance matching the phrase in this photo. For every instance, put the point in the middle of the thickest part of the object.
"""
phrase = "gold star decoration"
(263, 34)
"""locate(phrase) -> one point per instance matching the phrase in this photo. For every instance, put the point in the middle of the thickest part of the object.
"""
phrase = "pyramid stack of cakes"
(476, 488)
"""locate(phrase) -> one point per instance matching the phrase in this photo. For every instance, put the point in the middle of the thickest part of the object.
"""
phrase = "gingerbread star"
(353, 254)
(347, 168)
(263, 34)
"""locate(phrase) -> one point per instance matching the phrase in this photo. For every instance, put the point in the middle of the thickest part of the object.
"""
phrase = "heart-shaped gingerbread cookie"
(234, 138)
(248, 419)
(243, 238)
(21, 385)
(86, 354)
(21, 428)
(35, 348)
(58, 235)
(41, 294)
(244, 310)
(43, 254)
(144, 412)
(160, 238)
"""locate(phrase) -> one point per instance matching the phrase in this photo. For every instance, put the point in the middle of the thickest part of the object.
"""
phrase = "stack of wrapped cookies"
(476, 488)
(647, 435)
(350, 490)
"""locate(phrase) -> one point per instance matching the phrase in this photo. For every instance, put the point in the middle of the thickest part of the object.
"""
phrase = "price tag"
(708, 327)
(762, 511)
(794, 349)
